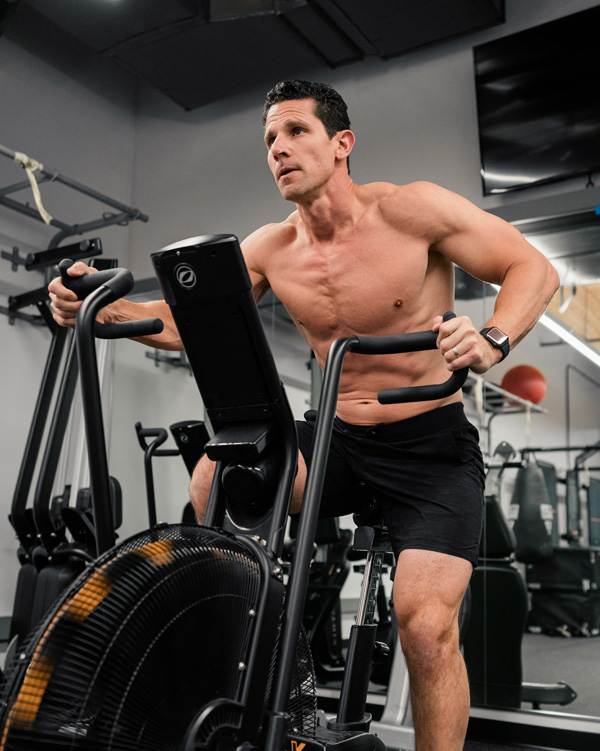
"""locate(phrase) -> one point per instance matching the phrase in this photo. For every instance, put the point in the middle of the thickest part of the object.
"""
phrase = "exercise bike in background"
(187, 638)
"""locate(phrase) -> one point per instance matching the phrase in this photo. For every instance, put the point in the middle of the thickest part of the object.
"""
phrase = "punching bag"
(531, 515)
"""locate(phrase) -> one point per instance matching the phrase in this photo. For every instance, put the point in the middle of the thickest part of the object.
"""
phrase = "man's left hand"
(462, 346)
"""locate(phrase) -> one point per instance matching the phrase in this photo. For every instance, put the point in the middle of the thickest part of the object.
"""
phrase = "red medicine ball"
(526, 382)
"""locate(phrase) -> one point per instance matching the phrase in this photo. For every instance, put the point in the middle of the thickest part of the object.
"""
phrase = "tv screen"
(538, 103)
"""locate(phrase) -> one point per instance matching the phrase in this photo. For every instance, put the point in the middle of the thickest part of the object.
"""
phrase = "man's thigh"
(429, 588)
(431, 489)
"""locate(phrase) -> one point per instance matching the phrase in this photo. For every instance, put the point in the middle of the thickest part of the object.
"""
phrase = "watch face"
(496, 336)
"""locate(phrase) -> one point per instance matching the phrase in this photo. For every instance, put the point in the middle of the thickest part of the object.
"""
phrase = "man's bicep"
(484, 245)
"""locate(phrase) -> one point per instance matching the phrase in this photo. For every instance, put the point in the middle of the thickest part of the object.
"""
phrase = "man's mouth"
(286, 171)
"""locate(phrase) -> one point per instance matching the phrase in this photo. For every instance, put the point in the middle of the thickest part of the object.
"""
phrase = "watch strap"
(504, 348)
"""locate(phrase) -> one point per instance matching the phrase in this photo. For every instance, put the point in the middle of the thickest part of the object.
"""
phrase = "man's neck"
(330, 212)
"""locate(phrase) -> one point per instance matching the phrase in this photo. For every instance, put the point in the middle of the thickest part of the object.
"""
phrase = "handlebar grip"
(417, 341)
(392, 345)
(160, 434)
(119, 280)
(425, 393)
(128, 329)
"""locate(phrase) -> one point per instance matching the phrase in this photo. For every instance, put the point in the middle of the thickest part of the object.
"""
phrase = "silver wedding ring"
(456, 354)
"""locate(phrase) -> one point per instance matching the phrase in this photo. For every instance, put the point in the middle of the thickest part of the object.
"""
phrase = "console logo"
(186, 276)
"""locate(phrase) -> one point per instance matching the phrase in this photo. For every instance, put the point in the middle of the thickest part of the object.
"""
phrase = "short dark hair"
(330, 108)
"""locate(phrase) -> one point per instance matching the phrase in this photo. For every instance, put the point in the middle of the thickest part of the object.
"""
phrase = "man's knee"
(202, 478)
(427, 633)
(428, 590)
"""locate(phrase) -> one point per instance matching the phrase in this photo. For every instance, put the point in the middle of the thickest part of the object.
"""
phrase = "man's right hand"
(63, 302)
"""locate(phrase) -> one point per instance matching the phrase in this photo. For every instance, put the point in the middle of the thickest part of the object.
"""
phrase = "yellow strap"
(30, 166)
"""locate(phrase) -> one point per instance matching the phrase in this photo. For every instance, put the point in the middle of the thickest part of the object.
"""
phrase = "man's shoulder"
(418, 187)
(398, 203)
(273, 233)
(385, 192)
(263, 241)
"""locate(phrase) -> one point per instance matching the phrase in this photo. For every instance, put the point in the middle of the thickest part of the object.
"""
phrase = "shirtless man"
(378, 259)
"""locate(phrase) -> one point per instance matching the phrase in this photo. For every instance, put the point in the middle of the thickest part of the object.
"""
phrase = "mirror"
(537, 608)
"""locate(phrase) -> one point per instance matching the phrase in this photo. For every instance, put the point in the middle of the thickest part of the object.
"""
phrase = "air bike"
(189, 638)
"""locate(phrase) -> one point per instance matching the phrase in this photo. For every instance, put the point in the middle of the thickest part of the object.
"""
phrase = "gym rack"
(121, 215)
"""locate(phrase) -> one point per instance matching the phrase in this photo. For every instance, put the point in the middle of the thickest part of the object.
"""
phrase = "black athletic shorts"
(427, 473)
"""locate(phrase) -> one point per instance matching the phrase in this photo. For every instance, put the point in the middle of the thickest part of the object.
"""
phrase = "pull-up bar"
(31, 166)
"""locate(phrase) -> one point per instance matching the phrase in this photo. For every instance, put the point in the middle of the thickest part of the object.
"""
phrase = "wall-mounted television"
(538, 103)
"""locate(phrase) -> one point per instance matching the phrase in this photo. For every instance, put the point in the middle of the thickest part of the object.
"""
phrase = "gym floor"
(548, 659)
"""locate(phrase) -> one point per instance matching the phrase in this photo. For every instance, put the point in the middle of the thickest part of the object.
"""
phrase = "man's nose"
(280, 147)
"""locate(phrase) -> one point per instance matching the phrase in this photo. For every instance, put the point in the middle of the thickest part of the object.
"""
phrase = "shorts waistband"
(443, 418)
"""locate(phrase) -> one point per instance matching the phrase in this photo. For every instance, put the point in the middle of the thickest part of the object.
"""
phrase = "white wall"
(205, 171)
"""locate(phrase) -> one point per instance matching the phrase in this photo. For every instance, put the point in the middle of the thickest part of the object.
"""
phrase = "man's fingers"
(79, 268)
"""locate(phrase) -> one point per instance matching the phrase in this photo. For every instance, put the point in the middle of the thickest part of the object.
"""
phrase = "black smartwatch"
(497, 339)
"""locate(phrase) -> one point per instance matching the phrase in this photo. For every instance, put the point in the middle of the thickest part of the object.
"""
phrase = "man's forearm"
(523, 297)
(125, 310)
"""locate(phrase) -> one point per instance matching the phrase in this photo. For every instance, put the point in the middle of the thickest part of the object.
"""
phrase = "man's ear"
(345, 143)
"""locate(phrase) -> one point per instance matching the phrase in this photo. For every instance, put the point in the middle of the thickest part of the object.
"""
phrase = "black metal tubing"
(54, 443)
(34, 439)
(114, 283)
(92, 411)
(150, 450)
(307, 525)
(289, 468)
(355, 685)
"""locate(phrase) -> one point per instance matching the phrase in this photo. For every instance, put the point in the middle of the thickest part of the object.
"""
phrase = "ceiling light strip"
(570, 338)
(567, 336)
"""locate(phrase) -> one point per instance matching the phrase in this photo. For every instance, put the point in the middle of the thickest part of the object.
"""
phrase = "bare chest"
(360, 286)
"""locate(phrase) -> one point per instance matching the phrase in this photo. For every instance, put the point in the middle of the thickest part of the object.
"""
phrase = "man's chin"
(290, 194)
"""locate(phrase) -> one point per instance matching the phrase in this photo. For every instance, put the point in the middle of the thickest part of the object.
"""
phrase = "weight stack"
(565, 593)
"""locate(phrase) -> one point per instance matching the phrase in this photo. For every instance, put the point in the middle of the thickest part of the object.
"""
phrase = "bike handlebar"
(118, 282)
(412, 342)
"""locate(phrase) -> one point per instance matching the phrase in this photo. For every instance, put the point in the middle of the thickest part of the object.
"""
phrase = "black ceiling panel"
(395, 27)
(198, 51)
(101, 24)
(205, 63)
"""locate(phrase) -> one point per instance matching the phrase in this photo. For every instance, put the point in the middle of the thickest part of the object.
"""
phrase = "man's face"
(301, 155)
